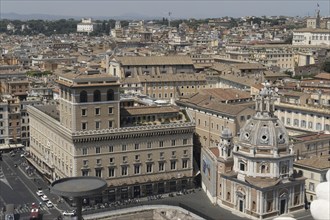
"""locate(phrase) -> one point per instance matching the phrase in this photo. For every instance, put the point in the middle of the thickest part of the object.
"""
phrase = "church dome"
(263, 132)
(264, 129)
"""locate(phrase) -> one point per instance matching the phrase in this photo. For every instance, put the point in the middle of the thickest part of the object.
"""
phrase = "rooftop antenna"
(169, 18)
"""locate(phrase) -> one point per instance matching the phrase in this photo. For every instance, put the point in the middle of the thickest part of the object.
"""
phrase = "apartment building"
(314, 144)
(14, 121)
(314, 169)
(215, 109)
(311, 36)
(124, 67)
(167, 87)
(303, 117)
(139, 151)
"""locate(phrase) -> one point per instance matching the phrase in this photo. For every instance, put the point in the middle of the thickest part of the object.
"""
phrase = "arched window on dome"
(83, 96)
(97, 96)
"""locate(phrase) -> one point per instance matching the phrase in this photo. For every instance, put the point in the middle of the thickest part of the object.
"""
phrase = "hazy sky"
(179, 9)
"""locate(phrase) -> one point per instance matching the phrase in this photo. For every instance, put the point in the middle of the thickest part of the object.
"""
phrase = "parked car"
(49, 204)
(40, 193)
(44, 198)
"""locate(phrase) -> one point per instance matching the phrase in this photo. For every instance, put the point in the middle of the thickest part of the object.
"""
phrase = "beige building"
(254, 174)
(311, 145)
(314, 170)
(167, 86)
(303, 117)
(138, 151)
(214, 109)
(124, 67)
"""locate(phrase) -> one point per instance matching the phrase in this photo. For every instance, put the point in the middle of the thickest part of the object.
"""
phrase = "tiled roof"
(315, 162)
(325, 76)
(248, 66)
(262, 182)
(226, 94)
(147, 110)
(312, 30)
(155, 60)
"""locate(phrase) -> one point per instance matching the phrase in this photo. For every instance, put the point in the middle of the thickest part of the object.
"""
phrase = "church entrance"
(282, 206)
(241, 205)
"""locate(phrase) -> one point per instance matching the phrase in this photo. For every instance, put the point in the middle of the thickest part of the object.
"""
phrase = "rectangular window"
(185, 152)
(137, 169)
(97, 150)
(161, 144)
(149, 145)
(149, 168)
(311, 187)
(161, 166)
(83, 112)
(97, 125)
(84, 151)
(173, 143)
(110, 110)
(124, 170)
(111, 171)
(184, 164)
(98, 161)
(173, 153)
(112, 160)
(185, 141)
(85, 162)
(149, 156)
(173, 165)
(84, 126)
(110, 124)
(288, 121)
(161, 155)
(123, 147)
(97, 111)
(84, 173)
(137, 157)
(110, 148)
(98, 172)
(124, 159)
(137, 146)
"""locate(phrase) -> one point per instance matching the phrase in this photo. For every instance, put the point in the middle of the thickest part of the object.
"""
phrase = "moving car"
(44, 198)
(49, 204)
(40, 193)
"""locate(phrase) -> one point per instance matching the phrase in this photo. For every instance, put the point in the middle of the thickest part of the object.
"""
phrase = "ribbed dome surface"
(264, 131)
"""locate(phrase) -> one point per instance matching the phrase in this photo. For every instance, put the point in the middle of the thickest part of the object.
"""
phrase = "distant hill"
(126, 16)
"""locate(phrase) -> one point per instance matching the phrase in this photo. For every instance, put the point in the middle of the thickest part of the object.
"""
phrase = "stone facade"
(136, 160)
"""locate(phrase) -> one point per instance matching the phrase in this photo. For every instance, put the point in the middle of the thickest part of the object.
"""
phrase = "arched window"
(110, 95)
(263, 168)
(97, 96)
(228, 195)
(83, 96)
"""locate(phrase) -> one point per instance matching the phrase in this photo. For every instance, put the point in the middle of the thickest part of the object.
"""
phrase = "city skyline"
(159, 9)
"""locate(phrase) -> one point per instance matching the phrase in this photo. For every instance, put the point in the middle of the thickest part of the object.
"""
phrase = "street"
(18, 186)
